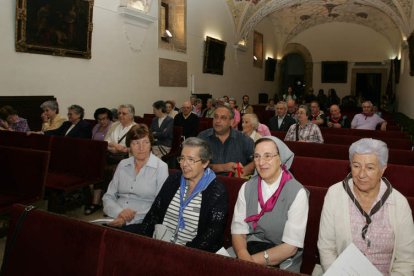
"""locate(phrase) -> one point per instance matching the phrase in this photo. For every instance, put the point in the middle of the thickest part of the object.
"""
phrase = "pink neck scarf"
(271, 202)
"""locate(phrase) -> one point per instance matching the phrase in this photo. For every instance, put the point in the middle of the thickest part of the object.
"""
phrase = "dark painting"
(55, 27)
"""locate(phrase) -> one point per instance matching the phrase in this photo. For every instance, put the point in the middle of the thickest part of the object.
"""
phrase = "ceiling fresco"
(391, 18)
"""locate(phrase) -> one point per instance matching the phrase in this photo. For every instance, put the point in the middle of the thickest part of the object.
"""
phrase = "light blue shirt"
(135, 191)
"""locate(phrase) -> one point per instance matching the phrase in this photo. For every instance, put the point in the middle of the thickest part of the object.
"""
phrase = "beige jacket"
(335, 230)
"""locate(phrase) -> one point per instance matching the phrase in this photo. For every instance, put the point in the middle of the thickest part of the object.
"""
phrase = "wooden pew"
(233, 185)
(22, 140)
(365, 133)
(74, 164)
(342, 139)
(56, 245)
(341, 152)
(24, 174)
(323, 172)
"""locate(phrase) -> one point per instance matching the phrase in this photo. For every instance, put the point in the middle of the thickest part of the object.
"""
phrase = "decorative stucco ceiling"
(392, 18)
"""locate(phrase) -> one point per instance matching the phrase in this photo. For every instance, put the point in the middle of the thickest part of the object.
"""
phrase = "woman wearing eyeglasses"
(364, 209)
(136, 182)
(271, 212)
(191, 207)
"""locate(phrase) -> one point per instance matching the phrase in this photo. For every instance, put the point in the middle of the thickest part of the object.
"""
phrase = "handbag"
(161, 232)
(115, 158)
(254, 247)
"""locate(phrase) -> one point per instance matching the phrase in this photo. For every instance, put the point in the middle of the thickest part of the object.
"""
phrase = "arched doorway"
(295, 66)
(293, 73)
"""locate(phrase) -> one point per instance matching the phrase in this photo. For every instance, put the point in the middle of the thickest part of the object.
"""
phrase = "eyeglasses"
(189, 161)
(266, 157)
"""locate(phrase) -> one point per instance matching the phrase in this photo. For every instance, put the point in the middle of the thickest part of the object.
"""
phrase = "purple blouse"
(100, 135)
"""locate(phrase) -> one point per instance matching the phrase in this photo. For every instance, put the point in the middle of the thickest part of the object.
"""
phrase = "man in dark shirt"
(336, 120)
(188, 120)
(280, 121)
(232, 150)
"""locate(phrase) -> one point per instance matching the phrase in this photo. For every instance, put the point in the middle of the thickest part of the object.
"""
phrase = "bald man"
(336, 120)
(187, 120)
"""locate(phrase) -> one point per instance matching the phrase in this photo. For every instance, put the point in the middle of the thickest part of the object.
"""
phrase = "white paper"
(223, 251)
(102, 221)
(352, 262)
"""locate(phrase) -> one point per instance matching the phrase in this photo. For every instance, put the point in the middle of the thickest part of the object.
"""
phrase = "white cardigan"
(335, 229)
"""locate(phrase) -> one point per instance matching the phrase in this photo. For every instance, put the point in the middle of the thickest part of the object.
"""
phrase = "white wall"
(405, 93)
(123, 71)
(343, 42)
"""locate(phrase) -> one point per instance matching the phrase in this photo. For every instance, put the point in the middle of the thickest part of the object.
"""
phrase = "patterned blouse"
(381, 238)
(308, 133)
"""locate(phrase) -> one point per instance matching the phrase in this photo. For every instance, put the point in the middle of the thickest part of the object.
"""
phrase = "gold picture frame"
(59, 28)
(257, 49)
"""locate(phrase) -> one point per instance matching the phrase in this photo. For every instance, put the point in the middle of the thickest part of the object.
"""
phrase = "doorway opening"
(293, 74)
(369, 84)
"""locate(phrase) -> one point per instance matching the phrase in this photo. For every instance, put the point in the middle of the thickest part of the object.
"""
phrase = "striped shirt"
(191, 217)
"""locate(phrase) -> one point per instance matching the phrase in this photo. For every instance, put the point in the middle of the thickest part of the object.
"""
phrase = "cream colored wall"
(124, 64)
(343, 42)
(405, 93)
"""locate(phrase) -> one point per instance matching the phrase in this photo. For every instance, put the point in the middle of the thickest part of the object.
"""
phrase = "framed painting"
(214, 56)
(257, 49)
(60, 28)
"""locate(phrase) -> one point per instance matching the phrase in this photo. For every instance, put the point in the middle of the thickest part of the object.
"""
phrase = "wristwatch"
(266, 257)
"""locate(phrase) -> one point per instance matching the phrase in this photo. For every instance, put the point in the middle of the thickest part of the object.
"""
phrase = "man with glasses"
(187, 120)
(368, 119)
(232, 150)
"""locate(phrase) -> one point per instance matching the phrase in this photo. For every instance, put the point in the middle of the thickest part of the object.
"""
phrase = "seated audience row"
(190, 208)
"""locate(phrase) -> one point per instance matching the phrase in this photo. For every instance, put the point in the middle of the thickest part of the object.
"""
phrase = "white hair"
(370, 146)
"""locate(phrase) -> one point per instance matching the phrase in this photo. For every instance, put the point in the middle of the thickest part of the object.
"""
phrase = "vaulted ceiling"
(391, 18)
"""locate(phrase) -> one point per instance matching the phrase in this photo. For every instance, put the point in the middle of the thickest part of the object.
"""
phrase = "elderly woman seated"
(191, 207)
(136, 182)
(10, 120)
(271, 212)
(162, 127)
(250, 123)
(366, 210)
(75, 126)
(50, 116)
(304, 130)
(103, 118)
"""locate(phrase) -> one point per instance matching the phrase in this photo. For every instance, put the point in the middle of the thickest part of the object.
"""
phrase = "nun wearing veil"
(271, 212)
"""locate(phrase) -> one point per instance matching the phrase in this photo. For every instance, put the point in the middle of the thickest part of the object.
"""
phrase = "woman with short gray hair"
(191, 208)
(364, 209)
(250, 123)
(75, 127)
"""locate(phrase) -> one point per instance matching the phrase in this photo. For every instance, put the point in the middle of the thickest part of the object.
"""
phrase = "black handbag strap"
(13, 238)
(122, 138)
(297, 132)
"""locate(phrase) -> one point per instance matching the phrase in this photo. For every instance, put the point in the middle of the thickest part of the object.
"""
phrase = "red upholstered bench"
(310, 251)
(393, 143)
(341, 152)
(22, 140)
(322, 172)
(23, 175)
(51, 244)
(365, 133)
(74, 164)
(233, 185)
